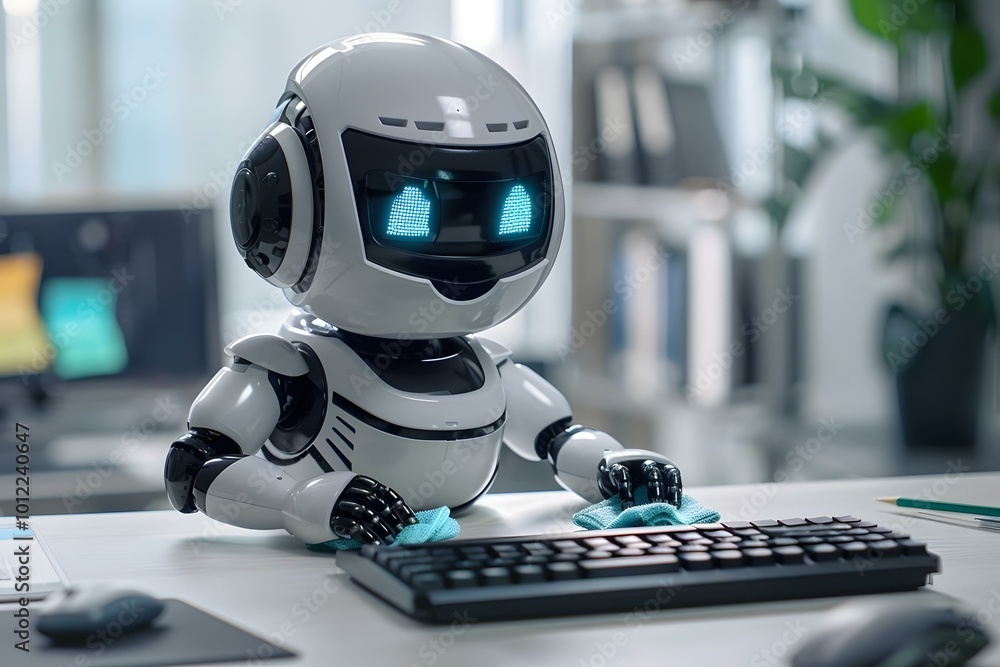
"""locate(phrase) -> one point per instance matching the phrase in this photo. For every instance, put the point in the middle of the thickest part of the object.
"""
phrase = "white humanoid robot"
(406, 196)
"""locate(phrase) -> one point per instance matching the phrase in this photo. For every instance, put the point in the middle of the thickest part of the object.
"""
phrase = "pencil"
(941, 507)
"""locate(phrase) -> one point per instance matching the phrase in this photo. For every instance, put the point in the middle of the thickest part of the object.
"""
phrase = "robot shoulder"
(271, 352)
(498, 353)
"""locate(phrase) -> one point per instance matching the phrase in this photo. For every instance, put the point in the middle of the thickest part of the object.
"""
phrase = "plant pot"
(938, 365)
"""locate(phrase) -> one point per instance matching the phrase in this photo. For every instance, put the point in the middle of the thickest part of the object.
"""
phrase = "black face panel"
(461, 217)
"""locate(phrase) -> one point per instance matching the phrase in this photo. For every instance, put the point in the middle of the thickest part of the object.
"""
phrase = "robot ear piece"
(271, 206)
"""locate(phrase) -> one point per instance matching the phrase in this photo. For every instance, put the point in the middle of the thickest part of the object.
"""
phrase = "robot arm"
(588, 462)
(210, 468)
(233, 415)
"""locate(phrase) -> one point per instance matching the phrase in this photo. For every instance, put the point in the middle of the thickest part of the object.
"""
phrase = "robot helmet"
(407, 186)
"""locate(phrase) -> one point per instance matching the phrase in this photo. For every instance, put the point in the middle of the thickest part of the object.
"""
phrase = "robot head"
(407, 186)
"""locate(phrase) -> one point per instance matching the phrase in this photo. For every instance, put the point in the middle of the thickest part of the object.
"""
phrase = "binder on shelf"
(655, 128)
(614, 127)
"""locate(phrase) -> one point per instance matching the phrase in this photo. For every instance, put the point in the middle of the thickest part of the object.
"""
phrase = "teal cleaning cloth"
(609, 514)
(433, 526)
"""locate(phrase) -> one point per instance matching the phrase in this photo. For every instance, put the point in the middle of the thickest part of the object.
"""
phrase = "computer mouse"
(901, 632)
(94, 611)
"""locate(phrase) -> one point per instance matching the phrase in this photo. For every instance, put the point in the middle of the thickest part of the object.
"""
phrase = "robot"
(405, 197)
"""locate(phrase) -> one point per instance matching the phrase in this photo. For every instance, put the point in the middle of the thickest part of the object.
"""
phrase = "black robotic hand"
(621, 472)
(370, 512)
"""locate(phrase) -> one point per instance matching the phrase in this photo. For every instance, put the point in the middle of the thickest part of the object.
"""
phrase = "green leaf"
(903, 126)
(941, 172)
(968, 54)
(797, 164)
(891, 20)
(994, 105)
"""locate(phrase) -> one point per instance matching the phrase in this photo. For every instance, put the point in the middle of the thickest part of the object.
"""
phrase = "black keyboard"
(641, 568)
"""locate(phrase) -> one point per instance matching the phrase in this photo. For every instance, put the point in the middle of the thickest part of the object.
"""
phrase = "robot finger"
(399, 507)
(368, 520)
(655, 484)
(622, 479)
(350, 529)
(674, 486)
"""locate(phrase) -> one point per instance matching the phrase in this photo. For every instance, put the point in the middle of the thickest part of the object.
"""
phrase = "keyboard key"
(594, 555)
(688, 537)
(736, 525)
(811, 540)
(792, 523)
(528, 574)
(912, 548)
(840, 539)
(864, 524)
(566, 544)
(695, 561)
(727, 559)
(790, 555)
(885, 548)
(724, 546)
(754, 544)
(897, 536)
(568, 558)
(692, 548)
(718, 533)
(765, 523)
(856, 531)
(630, 552)
(749, 532)
(707, 526)
(659, 538)
(495, 576)
(628, 540)
(428, 581)
(783, 542)
(847, 518)
(524, 560)
(595, 542)
(852, 549)
(460, 578)
(759, 556)
(880, 529)
(407, 570)
(662, 550)
(564, 570)
(822, 552)
(504, 562)
(820, 519)
(651, 564)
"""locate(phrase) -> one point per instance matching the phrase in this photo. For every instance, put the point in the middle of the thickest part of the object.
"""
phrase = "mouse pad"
(181, 635)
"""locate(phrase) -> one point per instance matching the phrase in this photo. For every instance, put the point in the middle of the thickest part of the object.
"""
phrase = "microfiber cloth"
(432, 526)
(609, 514)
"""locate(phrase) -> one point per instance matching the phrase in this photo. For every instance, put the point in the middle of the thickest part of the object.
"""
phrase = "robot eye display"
(516, 217)
(410, 215)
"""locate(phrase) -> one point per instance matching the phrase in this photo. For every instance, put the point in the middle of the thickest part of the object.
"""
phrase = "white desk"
(260, 581)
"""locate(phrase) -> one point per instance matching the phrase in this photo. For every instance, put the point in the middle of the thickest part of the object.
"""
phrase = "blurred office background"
(779, 262)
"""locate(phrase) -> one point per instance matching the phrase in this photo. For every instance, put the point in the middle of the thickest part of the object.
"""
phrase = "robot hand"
(623, 470)
(370, 512)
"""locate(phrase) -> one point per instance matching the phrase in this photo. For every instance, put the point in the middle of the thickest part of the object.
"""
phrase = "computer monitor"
(123, 296)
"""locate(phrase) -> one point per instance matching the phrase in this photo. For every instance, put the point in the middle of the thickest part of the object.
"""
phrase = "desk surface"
(268, 583)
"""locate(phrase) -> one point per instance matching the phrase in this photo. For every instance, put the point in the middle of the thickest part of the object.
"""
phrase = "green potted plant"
(937, 353)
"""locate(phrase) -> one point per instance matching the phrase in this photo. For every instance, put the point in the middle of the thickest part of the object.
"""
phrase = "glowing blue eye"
(516, 215)
(410, 215)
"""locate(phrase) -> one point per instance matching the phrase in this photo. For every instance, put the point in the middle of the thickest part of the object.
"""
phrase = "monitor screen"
(119, 294)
